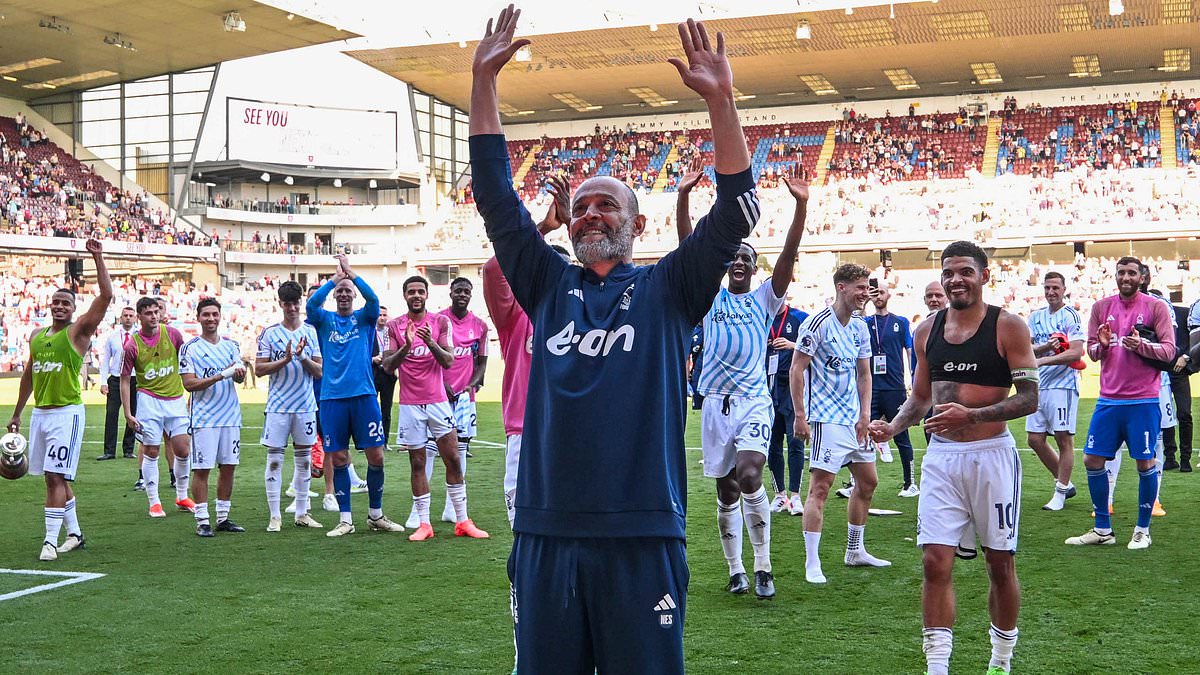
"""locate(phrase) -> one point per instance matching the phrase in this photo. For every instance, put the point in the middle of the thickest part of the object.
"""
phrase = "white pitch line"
(72, 578)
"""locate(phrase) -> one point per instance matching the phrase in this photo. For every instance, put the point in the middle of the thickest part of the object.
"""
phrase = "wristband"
(228, 372)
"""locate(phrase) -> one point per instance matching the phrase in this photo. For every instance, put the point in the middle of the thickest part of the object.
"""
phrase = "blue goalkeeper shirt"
(602, 453)
(346, 343)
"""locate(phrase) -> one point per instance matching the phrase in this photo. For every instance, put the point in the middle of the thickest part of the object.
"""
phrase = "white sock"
(346, 517)
(1113, 466)
(457, 494)
(854, 537)
(422, 503)
(1160, 458)
(729, 525)
(510, 505)
(463, 447)
(180, 466)
(150, 479)
(302, 481)
(938, 643)
(273, 478)
(354, 479)
(757, 512)
(201, 513)
(54, 521)
(222, 510)
(1003, 642)
(374, 514)
(812, 544)
(431, 455)
(70, 519)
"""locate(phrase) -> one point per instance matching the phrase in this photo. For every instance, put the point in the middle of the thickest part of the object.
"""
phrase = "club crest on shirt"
(627, 297)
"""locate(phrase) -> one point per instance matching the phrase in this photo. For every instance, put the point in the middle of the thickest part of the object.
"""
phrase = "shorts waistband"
(1004, 441)
(74, 409)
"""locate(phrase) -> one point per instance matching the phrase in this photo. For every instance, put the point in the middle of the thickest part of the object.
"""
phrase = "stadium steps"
(660, 183)
(530, 158)
(1170, 142)
(991, 150)
(822, 167)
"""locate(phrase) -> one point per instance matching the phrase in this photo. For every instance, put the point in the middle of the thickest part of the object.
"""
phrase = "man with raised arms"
(56, 426)
(738, 413)
(969, 357)
(349, 405)
(602, 489)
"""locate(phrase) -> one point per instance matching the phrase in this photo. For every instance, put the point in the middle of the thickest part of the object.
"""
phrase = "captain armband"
(1024, 374)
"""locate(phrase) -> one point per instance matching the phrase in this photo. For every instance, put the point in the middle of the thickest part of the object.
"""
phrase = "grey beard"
(617, 246)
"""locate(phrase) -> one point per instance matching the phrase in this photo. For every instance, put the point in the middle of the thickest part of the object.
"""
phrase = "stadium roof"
(912, 50)
(62, 45)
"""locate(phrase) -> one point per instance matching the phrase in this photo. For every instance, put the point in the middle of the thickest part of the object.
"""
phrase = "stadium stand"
(44, 190)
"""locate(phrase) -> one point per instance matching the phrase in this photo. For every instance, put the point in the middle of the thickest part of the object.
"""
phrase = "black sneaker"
(1071, 492)
(738, 584)
(129, 455)
(172, 478)
(204, 530)
(1185, 465)
(229, 526)
(101, 458)
(764, 585)
(139, 486)
(1170, 464)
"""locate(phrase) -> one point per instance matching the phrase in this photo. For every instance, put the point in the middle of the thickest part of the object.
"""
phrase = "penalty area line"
(71, 578)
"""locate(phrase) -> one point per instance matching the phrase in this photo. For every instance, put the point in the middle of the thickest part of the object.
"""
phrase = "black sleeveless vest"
(976, 361)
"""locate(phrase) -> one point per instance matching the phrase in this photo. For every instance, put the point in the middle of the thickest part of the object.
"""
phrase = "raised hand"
(797, 183)
(1104, 335)
(299, 345)
(425, 334)
(287, 352)
(706, 71)
(94, 246)
(559, 213)
(410, 334)
(497, 46)
(695, 171)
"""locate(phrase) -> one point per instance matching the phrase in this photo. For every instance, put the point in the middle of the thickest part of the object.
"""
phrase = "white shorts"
(55, 440)
(161, 416)
(975, 484)
(213, 446)
(512, 459)
(1166, 406)
(1057, 411)
(301, 426)
(733, 424)
(464, 417)
(417, 423)
(835, 446)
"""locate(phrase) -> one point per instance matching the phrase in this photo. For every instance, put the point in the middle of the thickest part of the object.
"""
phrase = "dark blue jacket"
(602, 453)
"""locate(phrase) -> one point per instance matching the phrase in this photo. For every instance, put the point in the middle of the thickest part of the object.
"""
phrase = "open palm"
(797, 183)
(497, 46)
(707, 69)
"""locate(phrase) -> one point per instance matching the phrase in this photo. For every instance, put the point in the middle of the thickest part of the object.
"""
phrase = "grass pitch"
(298, 601)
